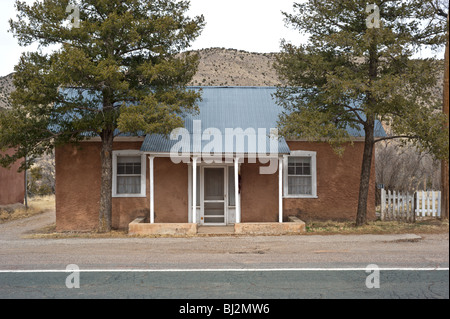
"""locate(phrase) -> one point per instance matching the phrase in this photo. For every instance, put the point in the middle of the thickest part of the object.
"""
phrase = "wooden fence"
(404, 206)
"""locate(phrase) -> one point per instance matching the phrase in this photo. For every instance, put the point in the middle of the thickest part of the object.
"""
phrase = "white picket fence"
(404, 206)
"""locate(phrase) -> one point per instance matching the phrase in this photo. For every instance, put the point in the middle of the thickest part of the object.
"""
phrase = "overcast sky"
(250, 25)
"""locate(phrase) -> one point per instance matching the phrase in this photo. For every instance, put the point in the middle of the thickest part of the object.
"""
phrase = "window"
(300, 175)
(128, 174)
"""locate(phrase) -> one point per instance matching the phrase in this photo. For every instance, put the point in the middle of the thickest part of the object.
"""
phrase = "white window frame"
(143, 172)
(313, 156)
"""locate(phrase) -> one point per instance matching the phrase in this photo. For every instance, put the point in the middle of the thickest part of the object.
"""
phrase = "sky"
(250, 25)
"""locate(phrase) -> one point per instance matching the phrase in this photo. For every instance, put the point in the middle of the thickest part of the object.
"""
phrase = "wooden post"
(152, 190)
(236, 191)
(194, 190)
(280, 190)
(383, 204)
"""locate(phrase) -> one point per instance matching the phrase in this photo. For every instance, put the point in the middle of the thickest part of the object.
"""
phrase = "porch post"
(236, 190)
(280, 190)
(152, 190)
(194, 190)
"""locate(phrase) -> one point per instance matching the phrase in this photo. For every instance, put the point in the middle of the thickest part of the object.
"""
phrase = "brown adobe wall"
(337, 184)
(12, 183)
(78, 178)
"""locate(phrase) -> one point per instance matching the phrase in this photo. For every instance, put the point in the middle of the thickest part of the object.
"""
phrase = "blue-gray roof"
(226, 116)
(246, 113)
(232, 108)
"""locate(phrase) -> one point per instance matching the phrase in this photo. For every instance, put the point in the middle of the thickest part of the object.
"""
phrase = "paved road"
(268, 284)
(213, 253)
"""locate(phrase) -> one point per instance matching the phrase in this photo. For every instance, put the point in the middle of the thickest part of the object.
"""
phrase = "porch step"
(215, 229)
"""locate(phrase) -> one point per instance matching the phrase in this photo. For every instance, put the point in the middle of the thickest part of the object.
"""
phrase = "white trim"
(202, 195)
(230, 209)
(143, 173)
(313, 156)
(237, 198)
(152, 189)
(194, 190)
(280, 190)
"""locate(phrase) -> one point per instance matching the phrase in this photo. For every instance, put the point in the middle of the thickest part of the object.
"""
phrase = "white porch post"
(280, 190)
(236, 190)
(194, 190)
(152, 190)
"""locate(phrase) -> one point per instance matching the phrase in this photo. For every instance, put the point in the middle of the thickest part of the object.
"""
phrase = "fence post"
(394, 206)
(423, 203)
(383, 203)
(414, 205)
(439, 204)
(408, 216)
(433, 210)
(389, 205)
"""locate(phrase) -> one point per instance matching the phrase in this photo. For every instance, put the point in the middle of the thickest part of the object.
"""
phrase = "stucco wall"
(337, 184)
(78, 189)
(259, 195)
(77, 185)
(12, 187)
(78, 178)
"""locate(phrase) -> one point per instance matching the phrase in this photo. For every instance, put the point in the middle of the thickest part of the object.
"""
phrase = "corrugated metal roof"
(222, 108)
(233, 114)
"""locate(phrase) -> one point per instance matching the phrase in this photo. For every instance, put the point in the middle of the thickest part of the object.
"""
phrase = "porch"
(139, 227)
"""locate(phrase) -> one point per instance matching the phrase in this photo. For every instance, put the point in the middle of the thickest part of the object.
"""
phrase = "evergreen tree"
(117, 68)
(356, 68)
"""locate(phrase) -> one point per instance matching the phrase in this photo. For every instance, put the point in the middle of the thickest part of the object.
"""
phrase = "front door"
(214, 198)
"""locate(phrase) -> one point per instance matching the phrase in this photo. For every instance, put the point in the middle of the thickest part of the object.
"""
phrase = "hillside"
(6, 87)
(230, 67)
(218, 67)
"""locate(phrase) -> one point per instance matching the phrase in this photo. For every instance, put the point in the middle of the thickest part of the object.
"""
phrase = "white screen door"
(214, 196)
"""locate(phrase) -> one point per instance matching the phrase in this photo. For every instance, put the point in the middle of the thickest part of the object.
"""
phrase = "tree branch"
(395, 137)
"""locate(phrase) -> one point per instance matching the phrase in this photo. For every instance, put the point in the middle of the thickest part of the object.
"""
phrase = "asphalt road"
(228, 285)
(222, 267)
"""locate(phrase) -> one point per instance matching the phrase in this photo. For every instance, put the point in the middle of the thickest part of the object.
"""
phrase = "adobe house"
(12, 183)
(225, 167)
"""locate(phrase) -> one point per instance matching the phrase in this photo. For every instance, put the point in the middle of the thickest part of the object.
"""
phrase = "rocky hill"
(218, 67)
(6, 87)
(230, 67)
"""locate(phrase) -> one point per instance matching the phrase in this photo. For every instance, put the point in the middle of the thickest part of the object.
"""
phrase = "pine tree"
(117, 68)
(356, 68)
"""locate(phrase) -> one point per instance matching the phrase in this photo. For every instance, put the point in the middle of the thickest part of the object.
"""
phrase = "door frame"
(202, 195)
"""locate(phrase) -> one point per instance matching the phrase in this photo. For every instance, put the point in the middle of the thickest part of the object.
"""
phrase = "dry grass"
(49, 232)
(37, 205)
(426, 226)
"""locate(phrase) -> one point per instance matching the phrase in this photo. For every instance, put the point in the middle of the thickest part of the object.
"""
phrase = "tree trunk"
(444, 164)
(364, 186)
(105, 212)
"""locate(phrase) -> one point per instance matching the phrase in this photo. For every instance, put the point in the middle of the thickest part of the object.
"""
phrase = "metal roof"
(228, 118)
(234, 110)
